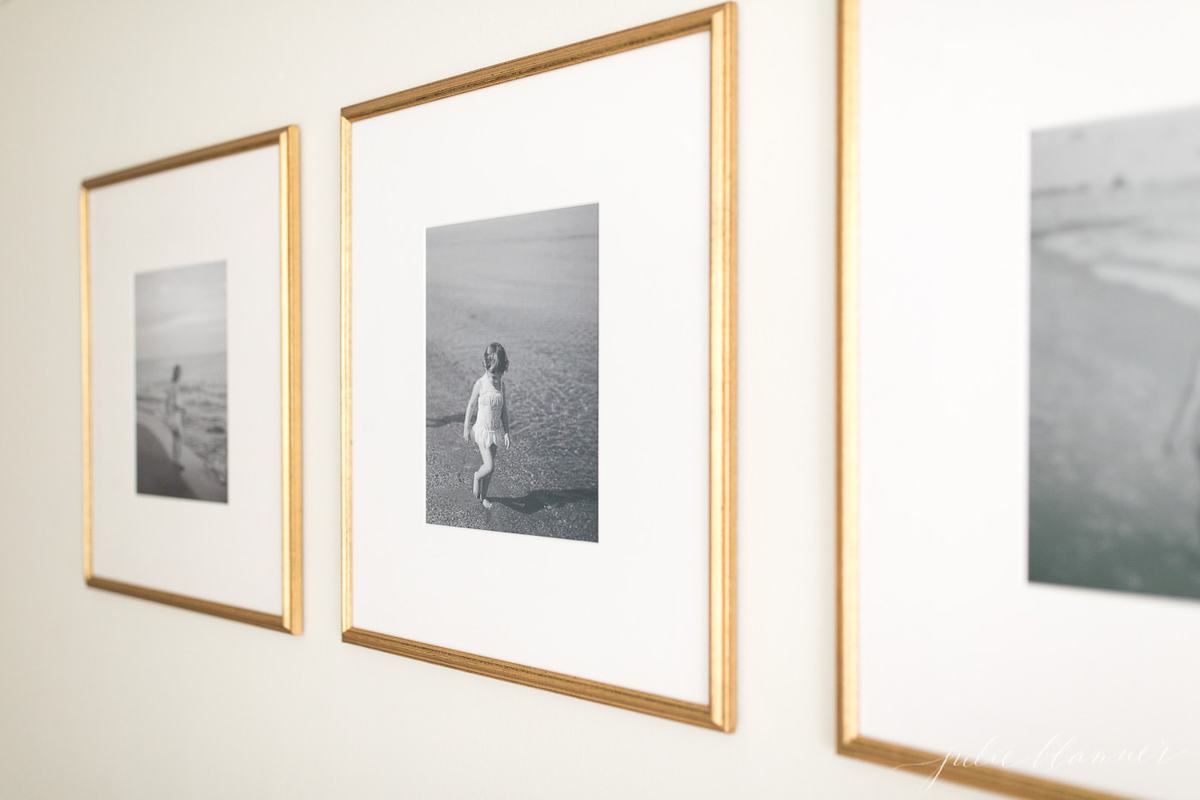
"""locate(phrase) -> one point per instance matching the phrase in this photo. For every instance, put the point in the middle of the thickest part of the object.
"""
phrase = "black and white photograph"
(512, 374)
(182, 425)
(1114, 428)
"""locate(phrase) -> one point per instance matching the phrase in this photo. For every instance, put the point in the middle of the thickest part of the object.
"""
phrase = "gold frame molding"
(720, 22)
(287, 139)
(850, 741)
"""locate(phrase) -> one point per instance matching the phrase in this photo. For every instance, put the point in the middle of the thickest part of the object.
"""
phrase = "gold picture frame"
(850, 741)
(719, 712)
(287, 139)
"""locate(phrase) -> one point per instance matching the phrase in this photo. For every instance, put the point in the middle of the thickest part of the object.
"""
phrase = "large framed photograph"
(1020, 394)
(538, 370)
(191, 380)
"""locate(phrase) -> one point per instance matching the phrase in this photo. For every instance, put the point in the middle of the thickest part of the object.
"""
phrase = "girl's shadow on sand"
(534, 501)
(541, 499)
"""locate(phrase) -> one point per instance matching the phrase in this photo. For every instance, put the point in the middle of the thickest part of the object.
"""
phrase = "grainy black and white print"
(182, 425)
(512, 373)
(1114, 483)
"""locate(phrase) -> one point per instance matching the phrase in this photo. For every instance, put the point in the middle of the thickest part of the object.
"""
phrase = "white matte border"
(958, 652)
(630, 132)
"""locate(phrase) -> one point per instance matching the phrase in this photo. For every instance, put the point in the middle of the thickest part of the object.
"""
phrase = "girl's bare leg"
(481, 474)
(486, 481)
(175, 447)
(475, 484)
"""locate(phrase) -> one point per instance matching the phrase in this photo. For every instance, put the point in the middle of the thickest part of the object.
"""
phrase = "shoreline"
(158, 475)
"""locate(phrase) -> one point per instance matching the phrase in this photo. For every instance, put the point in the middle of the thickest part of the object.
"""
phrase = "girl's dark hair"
(495, 360)
(175, 373)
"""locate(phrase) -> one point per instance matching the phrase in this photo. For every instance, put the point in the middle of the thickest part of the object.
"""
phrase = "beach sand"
(517, 506)
(158, 474)
(530, 283)
(1109, 506)
(204, 395)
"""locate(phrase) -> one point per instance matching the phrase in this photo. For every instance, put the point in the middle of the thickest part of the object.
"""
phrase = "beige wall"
(105, 696)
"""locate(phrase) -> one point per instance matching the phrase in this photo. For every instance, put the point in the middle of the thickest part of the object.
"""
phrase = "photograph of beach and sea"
(182, 427)
(530, 283)
(1114, 428)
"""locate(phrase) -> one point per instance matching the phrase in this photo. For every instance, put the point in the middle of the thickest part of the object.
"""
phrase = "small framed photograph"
(191, 380)
(1020, 394)
(539, 370)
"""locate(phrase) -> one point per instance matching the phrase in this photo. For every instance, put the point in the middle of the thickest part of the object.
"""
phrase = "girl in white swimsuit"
(491, 423)
(175, 416)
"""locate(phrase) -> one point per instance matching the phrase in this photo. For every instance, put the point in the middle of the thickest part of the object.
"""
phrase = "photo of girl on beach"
(182, 431)
(512, 374)
(1114, 425)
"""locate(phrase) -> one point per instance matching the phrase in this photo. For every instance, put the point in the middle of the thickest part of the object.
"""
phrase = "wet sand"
(157, 474)
(517, 507)
(1110, 507)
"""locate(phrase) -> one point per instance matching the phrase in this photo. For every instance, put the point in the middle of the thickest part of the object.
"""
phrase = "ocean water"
(202, 393)
(531, 283)
(1146, 237)
(1114, 350)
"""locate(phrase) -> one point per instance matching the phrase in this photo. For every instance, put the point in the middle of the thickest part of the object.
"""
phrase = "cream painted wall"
(108, 697)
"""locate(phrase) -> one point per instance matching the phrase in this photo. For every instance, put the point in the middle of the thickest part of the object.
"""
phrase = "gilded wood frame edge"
(850, 741)
(679, 710)
(290, 618)
(721, 23)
